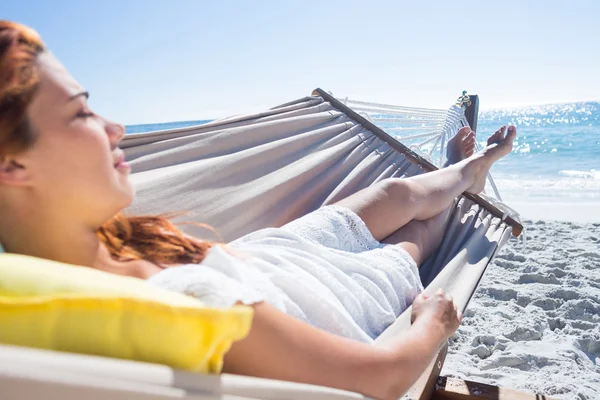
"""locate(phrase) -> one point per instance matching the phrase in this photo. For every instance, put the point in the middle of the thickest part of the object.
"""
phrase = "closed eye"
(84, 114)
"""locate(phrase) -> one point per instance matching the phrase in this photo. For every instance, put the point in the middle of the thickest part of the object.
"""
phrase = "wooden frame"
(472, 112)
(458, 389)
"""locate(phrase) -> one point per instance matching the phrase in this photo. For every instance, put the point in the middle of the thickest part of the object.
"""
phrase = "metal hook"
(464, 100)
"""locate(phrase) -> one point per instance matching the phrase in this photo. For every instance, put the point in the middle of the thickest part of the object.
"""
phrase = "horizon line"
(482, 109)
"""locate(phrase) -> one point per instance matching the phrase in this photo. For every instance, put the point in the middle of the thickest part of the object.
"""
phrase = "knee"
(403, 190)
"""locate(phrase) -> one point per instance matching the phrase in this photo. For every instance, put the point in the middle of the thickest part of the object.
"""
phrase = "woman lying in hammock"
(322, 287)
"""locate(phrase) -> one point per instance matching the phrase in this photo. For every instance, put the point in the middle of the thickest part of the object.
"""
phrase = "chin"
(121, 197)
(128, 194)
(116, 197)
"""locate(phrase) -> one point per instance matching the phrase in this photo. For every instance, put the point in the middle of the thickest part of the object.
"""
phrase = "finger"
(459, 315)
(449, 298)
(440, 291)
(424, 296)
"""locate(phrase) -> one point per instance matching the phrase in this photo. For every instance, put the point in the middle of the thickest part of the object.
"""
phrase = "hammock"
(250, 172)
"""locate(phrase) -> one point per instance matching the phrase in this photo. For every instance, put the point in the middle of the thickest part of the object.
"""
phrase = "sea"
(556, 154)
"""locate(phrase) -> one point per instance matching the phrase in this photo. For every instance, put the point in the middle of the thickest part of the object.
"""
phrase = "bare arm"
(282, 347)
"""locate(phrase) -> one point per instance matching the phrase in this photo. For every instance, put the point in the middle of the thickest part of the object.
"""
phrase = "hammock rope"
(407, 124)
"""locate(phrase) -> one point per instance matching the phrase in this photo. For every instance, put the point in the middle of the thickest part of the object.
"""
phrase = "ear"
(12, 172)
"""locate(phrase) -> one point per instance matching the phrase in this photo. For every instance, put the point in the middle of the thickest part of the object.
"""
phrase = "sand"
(534, 323)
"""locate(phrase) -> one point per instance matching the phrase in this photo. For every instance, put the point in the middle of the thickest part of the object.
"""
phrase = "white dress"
(324, 268)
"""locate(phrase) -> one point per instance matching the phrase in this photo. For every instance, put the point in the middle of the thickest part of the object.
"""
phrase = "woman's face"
(75, 163)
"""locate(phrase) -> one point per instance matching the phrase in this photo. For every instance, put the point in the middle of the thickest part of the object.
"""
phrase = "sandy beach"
(534, 323)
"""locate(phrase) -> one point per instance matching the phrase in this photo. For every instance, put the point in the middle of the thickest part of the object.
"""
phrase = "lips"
(119, 160)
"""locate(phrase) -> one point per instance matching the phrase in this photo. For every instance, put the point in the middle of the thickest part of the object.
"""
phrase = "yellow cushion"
(56, 306)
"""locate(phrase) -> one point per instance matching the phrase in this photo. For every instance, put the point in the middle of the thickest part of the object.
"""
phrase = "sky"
(146, 61)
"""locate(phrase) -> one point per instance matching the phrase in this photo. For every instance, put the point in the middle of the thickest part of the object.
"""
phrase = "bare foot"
(461, 146)
(497, 136)
(498, 147)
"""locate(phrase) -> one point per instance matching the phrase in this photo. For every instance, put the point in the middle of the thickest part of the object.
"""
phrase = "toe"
(501, 135)
(497, 136)
(469, 139)
(494, 137)
(462, 132)
(507, 143)
(512, 133)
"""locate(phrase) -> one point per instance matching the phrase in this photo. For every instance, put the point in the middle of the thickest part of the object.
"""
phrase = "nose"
(115, 132)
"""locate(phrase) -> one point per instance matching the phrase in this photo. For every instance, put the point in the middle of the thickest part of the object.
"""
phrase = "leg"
(391, 204)
(421, 238)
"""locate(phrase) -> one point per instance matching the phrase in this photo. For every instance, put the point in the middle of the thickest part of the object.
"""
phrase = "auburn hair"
(152, 238)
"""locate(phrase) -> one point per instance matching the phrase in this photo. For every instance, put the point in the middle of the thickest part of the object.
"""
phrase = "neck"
(34, 233)
(31, 231)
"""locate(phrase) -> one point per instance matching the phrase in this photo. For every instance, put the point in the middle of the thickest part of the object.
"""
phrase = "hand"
(437, 310)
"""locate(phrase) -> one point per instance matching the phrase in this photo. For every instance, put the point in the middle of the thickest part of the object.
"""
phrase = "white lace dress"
(324, 268)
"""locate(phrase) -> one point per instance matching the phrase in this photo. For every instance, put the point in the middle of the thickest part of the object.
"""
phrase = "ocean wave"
(580, 113)
(571, 188)
(591, 174)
